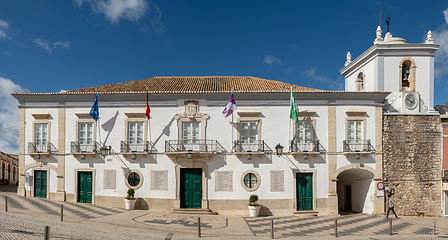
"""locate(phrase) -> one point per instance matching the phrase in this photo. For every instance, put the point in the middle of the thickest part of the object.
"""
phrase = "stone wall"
(412, 163)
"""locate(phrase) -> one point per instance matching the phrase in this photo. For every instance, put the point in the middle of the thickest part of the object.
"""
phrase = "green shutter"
(191, 188)
(304, 188)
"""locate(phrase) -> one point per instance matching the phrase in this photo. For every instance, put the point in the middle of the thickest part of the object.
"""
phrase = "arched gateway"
(355, 188)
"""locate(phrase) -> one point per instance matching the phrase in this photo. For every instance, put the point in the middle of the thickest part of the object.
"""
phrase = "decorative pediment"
(355, 112)
(41, 115)
(191, 111)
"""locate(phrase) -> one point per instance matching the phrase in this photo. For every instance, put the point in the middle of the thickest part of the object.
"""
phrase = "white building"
(189, 156)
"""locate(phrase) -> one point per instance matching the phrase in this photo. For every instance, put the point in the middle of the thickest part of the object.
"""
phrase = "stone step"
(307, 213)
(194, 211)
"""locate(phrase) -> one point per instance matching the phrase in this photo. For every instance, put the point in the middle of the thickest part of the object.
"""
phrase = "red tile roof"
(199, 84)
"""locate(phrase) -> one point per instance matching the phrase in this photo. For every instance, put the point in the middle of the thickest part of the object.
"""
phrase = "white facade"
(63, 112)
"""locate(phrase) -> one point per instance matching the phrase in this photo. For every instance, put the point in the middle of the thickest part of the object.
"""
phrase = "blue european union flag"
(94, 112)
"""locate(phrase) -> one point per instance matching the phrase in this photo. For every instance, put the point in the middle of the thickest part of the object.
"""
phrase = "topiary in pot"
(131, 193)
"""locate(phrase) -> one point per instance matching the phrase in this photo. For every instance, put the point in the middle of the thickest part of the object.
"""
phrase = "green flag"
(294, 112)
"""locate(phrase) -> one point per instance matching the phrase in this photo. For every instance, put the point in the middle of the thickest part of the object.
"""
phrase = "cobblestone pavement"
(27, 217)
(350, 225)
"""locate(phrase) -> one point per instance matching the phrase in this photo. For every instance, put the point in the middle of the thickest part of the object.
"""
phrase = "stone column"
(60, 191)
(378, 203)
(332, 162)
(21, 191)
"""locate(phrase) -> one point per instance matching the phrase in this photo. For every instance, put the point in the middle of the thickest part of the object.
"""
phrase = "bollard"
(390, 226)
(62, 212)
(272, 228)
(434, 229)
(336, 228)
(6, 203)
(47, 233)
(199, 227)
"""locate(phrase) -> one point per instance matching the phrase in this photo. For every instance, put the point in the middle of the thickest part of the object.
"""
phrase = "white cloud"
(115, 10)
(332, 84)
(9, 116)
(45, 44)
(270, 59)
(4, 25)
(440, 37)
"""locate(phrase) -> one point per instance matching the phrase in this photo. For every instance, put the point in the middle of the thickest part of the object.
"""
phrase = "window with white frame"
(41, 137)
(304, 131)
(135, 136)
(355, 131)
(85, 136)
(190, 131)
(249, 132)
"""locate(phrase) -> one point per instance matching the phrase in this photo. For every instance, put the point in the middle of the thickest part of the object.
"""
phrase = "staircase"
(193, 211)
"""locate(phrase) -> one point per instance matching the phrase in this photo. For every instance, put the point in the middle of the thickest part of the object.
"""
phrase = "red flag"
(148, 111)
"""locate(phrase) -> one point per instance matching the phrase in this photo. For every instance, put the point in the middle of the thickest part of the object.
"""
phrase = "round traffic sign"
(380, 186)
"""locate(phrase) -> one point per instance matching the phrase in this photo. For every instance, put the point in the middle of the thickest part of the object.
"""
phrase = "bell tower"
(406, 70)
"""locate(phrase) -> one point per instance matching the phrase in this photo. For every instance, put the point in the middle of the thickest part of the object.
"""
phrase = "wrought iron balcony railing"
(306, 146)
(85, 147)
(251, 146)
(361, 145)
(42, 147)
(194, 145)
(137, 147)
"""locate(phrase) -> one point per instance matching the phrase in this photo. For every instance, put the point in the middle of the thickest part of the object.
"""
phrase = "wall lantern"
(279, 149)
(190, 155)
(83, 156)
(38, 156)
(358, 156)
(105, 150)
(134, 156)
(249, 156)
(305, 157)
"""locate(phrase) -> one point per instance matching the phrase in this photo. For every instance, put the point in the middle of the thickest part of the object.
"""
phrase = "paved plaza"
(27, 217)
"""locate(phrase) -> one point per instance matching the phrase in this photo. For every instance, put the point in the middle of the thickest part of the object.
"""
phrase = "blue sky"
(54, 45)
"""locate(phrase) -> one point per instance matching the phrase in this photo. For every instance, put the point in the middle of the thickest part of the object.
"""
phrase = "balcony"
(356, 147)
(193, 148)
(41, 148)
(257, 147)
(137, 148)
(306, 147)
(85, 148)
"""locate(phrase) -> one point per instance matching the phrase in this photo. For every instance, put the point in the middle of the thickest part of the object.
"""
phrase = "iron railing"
(137, 147)
(42, 147)
(306, 146)
(251, 146)
(361, 145)
(86, 147)
(195, 145)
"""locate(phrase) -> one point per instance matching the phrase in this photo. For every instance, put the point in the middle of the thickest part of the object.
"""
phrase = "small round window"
(134, 179)
(250, 180)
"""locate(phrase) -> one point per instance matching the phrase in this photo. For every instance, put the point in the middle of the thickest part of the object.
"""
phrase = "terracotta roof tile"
(198, 84)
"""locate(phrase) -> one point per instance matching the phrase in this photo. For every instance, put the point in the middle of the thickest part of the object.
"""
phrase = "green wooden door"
(40, 184)
(85, 187)
(304, 191)
(190, 187)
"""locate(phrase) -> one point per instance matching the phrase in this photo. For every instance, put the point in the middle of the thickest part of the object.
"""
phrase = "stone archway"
(355, 188)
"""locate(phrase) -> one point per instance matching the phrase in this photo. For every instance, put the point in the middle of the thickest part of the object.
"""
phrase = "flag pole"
(98, 121)
(149, 118)
(290, 122)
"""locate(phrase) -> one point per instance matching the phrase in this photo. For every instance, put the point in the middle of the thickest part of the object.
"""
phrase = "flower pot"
(129, 204)
(254, 210)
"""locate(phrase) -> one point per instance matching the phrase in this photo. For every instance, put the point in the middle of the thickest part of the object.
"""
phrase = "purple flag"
(230, 107)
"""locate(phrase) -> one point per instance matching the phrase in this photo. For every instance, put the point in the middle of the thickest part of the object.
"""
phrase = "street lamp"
(105, 150)
(279, 149)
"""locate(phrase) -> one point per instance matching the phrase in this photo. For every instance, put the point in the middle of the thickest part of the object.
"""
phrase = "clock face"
(410, 101)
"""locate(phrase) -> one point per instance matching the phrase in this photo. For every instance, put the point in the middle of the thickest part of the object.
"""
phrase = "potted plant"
(130, 199)
(254, 207)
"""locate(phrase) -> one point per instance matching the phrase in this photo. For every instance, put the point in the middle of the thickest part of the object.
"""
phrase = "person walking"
(390, 206)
